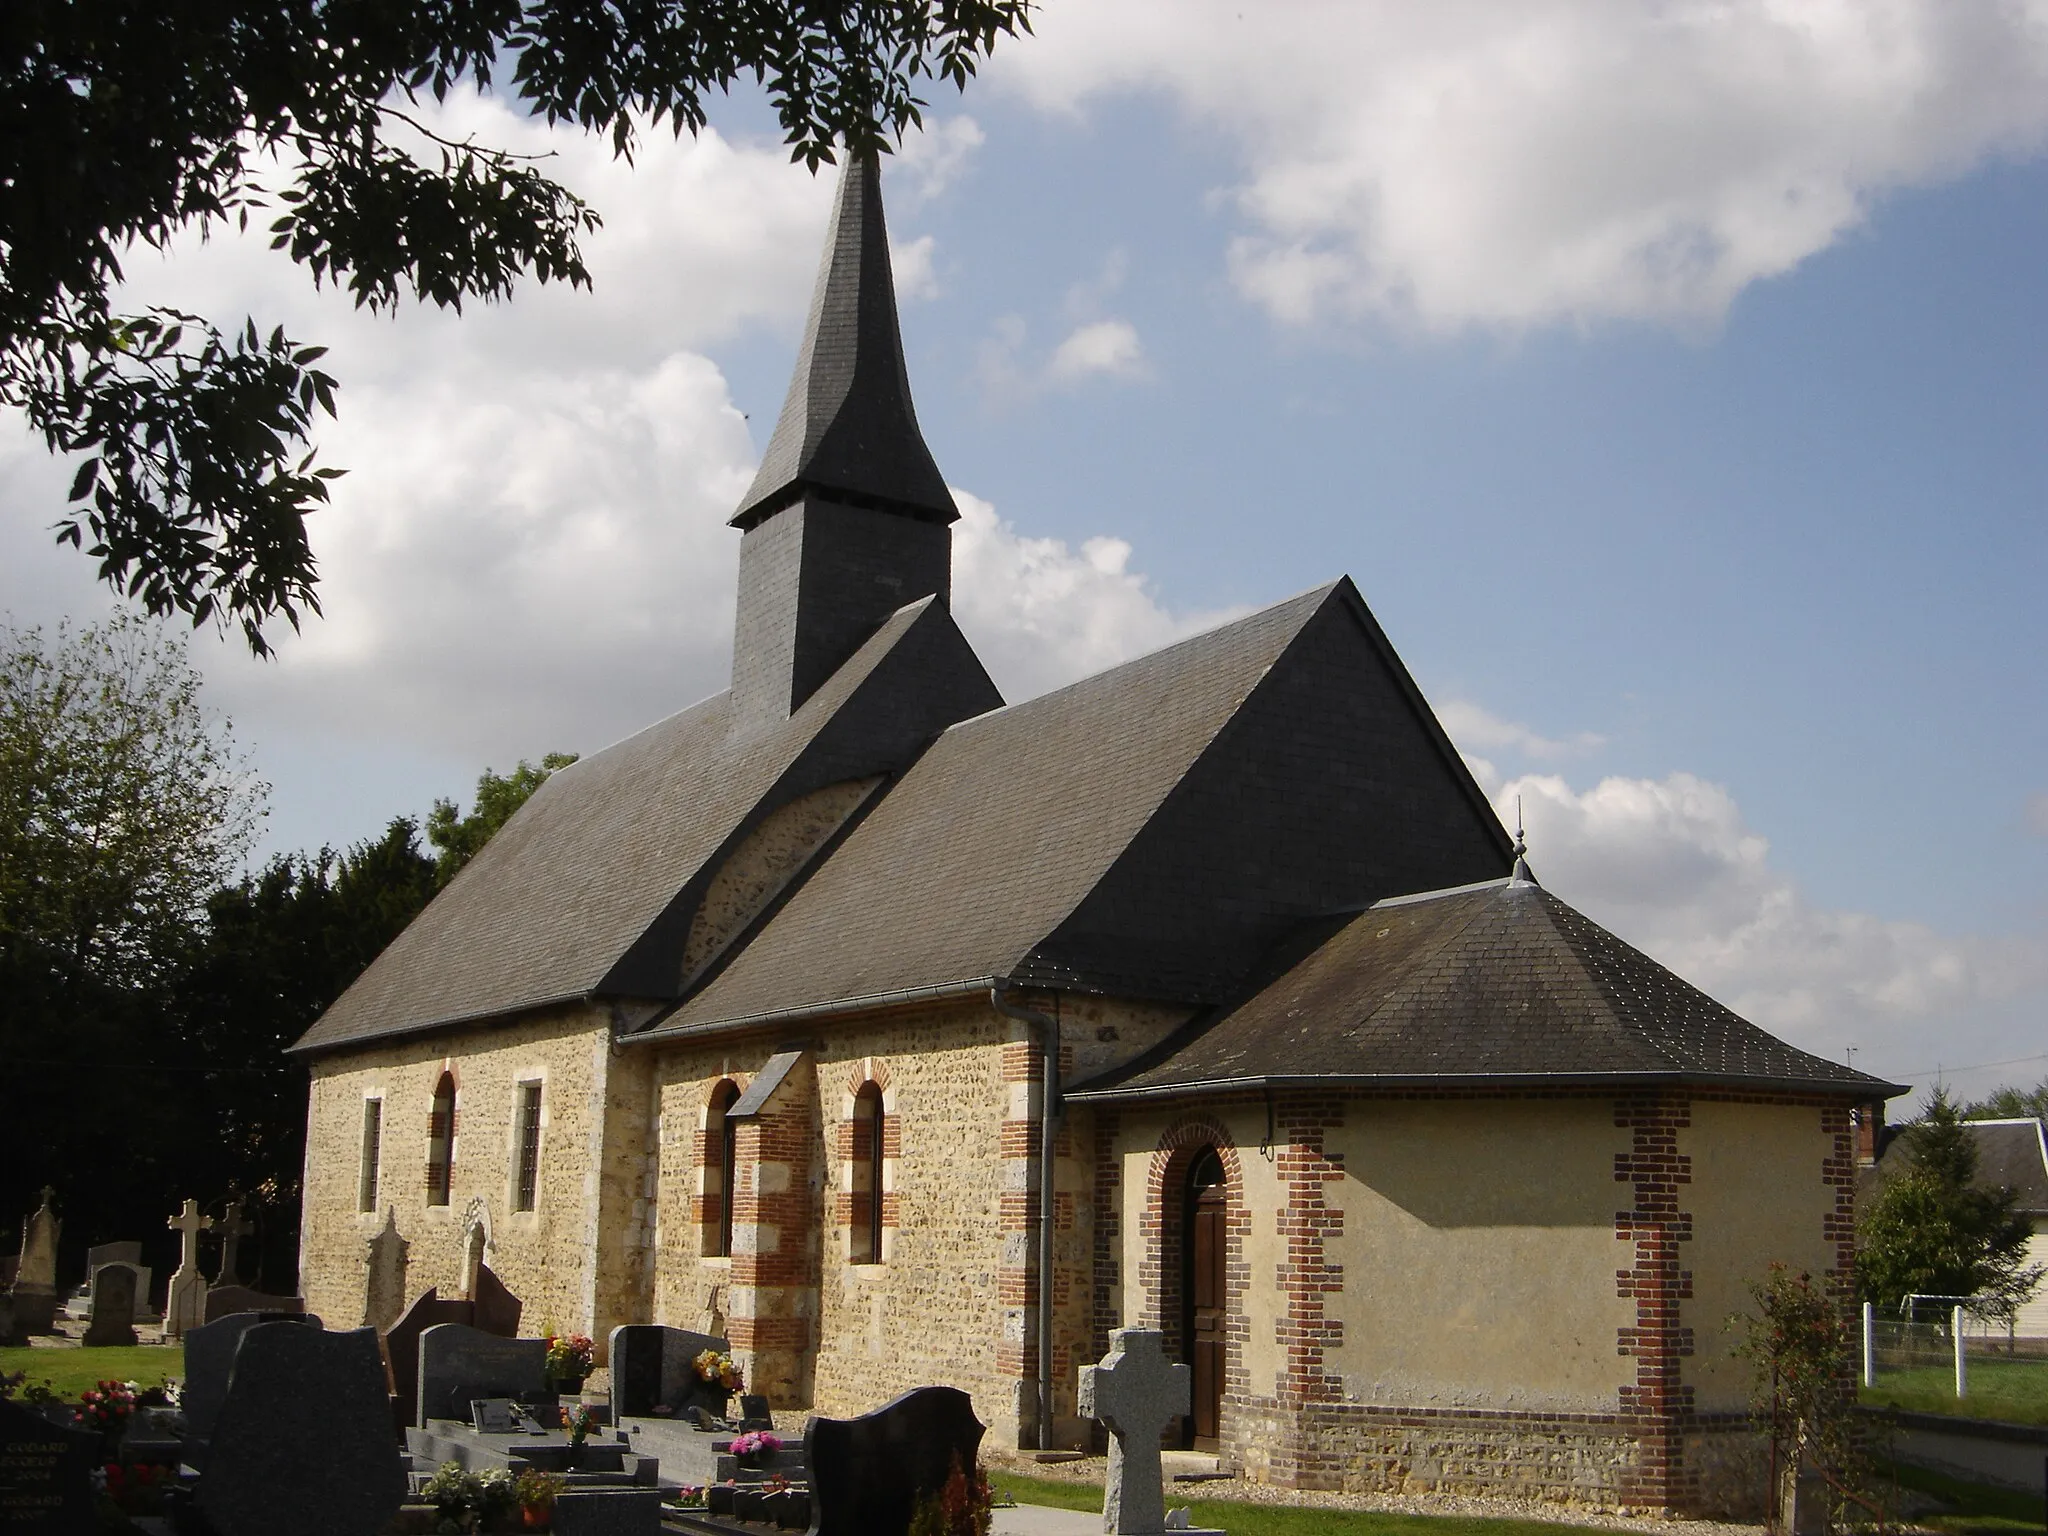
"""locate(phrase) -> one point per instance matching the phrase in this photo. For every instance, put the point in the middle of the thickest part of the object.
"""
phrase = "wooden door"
(1205, 1331)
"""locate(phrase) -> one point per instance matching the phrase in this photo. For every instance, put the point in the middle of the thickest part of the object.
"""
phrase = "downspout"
(1048, 1029)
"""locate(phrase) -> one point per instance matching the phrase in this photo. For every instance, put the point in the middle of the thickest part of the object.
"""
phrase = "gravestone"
(496, 1310)
(402, 1346)
(185, 1307)
(608, 1512)
(111, 1253)
(303, 1442)
(45, 1475)
(210, 1360)
(113, 1306)
(868, 1474)
(459, 1364)
(384, 1299)
(233, 1227)
(654, 1372)
(226, 1300)
(35, 1274)
(11, 1337)
(102, 1254)
(1136, 1392)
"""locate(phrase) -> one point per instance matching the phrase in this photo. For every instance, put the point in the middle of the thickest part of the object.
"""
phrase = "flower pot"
(537, 1517)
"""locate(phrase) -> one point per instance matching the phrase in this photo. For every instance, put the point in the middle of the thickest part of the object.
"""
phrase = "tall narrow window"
(373, 1147)
(867, 1175)
(528, 1170)
(441, 1141)
(718, 1171)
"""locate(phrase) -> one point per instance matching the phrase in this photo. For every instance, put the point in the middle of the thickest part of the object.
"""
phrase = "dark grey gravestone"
(113, 1306)
(496, 1309)
(112, 1253)
(209, 1360)
(867, 1474)
(653, 1367)
(303, 1442)
(402, 1346)
(755, 1413)
(226, 1300)
(609, 1512)
(459, 1364)
(45, 1475)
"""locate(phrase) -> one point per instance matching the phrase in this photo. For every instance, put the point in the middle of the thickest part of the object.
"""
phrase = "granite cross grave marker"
(1136, 1391)
(233, 1227)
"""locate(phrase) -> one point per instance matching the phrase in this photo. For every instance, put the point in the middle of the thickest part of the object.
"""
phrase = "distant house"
(2010, 1153)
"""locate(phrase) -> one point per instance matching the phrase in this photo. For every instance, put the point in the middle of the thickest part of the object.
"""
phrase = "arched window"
(867, 1181)
(441, 1141)
(719, 1181)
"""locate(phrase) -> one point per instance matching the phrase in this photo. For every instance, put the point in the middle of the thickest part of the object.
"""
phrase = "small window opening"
(441, 1141)
(528, 1170)
(373, 1147)
(868, 1121)
(720, 1183)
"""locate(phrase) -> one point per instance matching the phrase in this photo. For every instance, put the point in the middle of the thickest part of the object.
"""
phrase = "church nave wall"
(547, 1255)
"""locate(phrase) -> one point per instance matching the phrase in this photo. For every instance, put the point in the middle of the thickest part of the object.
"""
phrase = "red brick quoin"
(1160, 1236)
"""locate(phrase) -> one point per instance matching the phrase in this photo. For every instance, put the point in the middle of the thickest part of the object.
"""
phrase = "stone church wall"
(548, 1256)
(1447, 1293)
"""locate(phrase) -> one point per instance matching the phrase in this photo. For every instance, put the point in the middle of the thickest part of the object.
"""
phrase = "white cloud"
(1108, 347)
(1470, 163)
(1472, 726)
(1672, 866)
(1042, 614)
(935, 156)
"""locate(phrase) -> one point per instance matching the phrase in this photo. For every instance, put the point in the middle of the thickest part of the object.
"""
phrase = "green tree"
(459, 838)
(123, 806)
(128, 121)
(2011, 1103)
(1932, 1230)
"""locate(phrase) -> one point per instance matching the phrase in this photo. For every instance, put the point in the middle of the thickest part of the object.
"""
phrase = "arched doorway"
(1203, 1296)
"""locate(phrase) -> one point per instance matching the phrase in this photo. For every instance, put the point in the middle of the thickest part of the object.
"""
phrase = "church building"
(906, 1036)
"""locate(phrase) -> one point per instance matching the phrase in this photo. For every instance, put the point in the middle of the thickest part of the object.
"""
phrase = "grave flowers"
(470, 1501)
(571, 1358)
(107, 1407)
(537, 1491)
(962, 1507)
(749, 1448)
(579, 1421)
(721, 1370)
(135, 1490)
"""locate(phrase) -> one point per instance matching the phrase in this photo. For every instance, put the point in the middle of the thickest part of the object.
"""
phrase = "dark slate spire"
(848, 431)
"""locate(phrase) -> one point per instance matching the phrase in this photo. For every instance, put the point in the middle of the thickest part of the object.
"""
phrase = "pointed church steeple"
(848, 518)
(848, 429)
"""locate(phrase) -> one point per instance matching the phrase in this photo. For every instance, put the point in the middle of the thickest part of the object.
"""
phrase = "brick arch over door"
(1161, 1236)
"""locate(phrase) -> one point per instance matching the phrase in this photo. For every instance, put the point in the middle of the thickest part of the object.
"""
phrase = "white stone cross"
(185, 1307)
(1136, 1391)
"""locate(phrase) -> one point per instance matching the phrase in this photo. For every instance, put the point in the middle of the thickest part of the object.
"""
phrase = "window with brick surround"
(526, 1168)
(866, 1168)
(373, 1147)
(719, 1181)
(441, 1141)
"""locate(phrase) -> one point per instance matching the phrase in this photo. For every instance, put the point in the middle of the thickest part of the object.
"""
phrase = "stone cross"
(185, 1307)
(1136, 1391)
(232, 1229)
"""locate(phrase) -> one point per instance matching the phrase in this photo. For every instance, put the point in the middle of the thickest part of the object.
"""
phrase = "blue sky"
(1673, 389)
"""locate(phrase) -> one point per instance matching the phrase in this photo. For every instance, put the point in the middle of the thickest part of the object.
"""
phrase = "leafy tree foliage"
(127, 121)
(458, 837)
(1798, 1347)
(2011, 1103)
(1934, 1231)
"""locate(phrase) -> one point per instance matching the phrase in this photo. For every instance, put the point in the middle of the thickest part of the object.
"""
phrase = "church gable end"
(1332, 786)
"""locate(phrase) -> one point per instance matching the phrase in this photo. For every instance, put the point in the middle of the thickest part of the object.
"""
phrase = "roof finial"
(1521, 874)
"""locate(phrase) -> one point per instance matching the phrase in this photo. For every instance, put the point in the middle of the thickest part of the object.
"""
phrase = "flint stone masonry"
(458, 1364)
(303, 1442)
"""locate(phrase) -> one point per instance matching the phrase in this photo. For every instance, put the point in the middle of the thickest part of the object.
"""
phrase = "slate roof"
(2013, 1153)
(589, 887)
(1495, 984)
(848, 429)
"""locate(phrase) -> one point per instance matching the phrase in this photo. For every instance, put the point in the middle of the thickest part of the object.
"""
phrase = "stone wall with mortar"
(553, 1257)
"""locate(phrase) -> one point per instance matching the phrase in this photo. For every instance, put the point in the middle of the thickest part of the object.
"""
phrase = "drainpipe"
(1048, 1029)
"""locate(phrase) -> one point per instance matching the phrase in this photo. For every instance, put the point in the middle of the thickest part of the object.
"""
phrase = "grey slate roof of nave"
(1496, 983)
(568, 886)
(1000, 830)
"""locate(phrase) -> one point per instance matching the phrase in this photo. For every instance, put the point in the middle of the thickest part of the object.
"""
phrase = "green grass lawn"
(1243, 1519)
(1973, 1509)
(2016, 1392)
(70, 1371)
